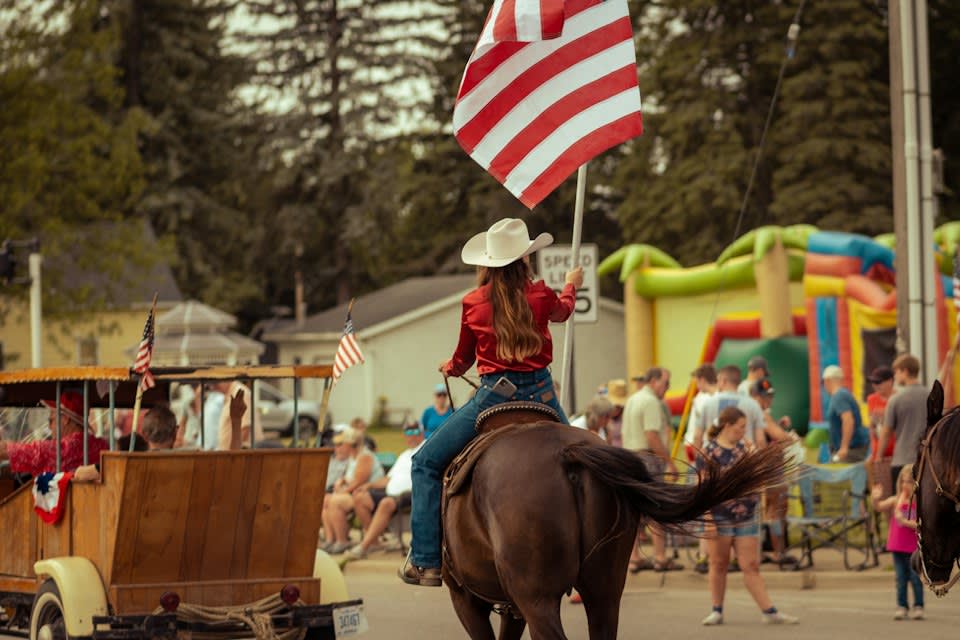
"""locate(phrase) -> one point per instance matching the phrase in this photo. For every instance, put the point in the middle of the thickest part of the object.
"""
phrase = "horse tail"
(673, 504)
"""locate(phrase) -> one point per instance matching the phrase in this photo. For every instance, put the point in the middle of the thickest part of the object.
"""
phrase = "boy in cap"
(756, 369)
(774, 498)
(881, 379)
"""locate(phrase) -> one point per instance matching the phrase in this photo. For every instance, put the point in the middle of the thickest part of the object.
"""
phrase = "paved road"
(855, 609)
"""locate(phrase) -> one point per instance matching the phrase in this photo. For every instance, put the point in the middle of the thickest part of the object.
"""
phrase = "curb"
(386, 565)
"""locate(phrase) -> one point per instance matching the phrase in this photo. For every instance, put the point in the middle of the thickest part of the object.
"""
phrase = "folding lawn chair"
(834, 513)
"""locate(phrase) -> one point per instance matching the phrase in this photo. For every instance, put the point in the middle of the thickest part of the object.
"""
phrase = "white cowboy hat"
(503, 243)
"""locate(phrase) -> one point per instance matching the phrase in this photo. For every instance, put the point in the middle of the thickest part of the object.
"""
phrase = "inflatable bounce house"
(800, 297)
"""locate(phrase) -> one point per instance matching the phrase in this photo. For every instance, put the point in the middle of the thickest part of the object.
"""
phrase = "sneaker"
(779, 618)
(356, 552)
(901, 614)
(422, 576)
(916, 613)
(702, 567)
(714, 618)
(338, 548)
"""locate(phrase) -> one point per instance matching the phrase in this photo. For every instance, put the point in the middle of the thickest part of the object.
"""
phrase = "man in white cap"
(849, 439)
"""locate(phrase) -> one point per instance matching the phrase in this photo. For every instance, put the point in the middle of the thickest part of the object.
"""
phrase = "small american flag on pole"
(550, 85)
(348, 351)
(141, 363)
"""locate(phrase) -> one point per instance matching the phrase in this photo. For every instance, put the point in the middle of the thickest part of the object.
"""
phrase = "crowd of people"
(731, 414)
(159, 429)
(504, 330)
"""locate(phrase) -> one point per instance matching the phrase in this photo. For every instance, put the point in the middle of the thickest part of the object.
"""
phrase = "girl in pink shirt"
(902, 541)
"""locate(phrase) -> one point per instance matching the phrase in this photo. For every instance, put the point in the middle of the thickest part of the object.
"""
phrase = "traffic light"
(8, 263)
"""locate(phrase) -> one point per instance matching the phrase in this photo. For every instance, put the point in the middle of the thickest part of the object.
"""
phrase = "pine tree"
(346, 76)
(830, 141)
(708, 73)
(69, 156)
(201, 148)
(944, 27)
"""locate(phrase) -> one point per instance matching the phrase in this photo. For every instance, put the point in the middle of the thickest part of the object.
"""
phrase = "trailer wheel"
(46, 618)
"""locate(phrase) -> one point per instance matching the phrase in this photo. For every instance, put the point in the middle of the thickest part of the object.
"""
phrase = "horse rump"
(675, 504)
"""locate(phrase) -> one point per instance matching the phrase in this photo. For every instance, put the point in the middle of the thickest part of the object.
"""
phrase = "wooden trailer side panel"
(18, 534)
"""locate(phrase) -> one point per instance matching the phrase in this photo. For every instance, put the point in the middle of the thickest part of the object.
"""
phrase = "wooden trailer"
(174, 543)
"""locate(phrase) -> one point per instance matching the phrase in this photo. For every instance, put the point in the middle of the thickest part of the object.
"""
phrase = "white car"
(276, 411)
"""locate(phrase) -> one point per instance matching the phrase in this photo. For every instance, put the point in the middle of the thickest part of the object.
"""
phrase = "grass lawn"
(388, 439)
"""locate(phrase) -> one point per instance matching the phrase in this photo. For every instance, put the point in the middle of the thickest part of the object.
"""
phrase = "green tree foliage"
(201, 148)
(830, 141)
(708, 72)
(69, 155)
(945, 96)
(345, 75)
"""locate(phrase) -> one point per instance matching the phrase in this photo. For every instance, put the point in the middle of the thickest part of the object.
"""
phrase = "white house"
(407, 330)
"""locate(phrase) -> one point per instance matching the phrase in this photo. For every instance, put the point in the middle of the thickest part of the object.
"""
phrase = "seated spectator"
(35, 458)
(160, 428)
(595, 417)
(363, 467)
(359, 424)
(375, 503)
(340, 460)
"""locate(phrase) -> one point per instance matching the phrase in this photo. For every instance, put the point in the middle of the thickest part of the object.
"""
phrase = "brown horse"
(937, 472)
(549, 508)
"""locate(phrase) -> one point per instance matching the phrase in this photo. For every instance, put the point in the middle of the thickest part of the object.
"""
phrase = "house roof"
(380, 306)
(195, 317)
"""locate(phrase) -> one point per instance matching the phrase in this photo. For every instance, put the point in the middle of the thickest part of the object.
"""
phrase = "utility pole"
(913, 203)
(897, 166)
(36, 309)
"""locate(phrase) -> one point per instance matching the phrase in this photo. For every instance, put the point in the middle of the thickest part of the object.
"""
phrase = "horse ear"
(935, 403)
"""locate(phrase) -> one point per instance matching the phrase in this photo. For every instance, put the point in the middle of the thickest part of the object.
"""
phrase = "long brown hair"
(518, 336)
(727, 417)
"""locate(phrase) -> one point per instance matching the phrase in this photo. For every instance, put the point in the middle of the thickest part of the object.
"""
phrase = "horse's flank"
(551, 507)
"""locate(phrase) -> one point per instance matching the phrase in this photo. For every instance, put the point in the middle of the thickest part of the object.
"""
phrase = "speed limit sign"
(553, 263)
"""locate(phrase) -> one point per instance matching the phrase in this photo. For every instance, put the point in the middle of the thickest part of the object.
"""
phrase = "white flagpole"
(565, 374)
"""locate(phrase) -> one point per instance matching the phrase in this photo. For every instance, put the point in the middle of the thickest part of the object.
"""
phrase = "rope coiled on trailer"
(257, 616)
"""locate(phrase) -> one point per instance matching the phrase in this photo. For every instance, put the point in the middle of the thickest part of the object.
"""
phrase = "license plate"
(349, 621)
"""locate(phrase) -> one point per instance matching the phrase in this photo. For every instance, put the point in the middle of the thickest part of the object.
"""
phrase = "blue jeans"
(905, 573)
(448, 441)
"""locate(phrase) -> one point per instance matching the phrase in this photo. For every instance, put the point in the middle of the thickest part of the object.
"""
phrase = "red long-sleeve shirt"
(478, 340)
(36, 457)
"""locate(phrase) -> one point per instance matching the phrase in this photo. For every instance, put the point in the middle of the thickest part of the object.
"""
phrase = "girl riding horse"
(504, 329)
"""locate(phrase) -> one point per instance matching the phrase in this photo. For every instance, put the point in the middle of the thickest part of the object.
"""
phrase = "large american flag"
(348, 351)
(550, 85)
(141, 363)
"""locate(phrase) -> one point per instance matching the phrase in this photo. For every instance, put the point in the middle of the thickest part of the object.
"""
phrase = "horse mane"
(948, 446)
